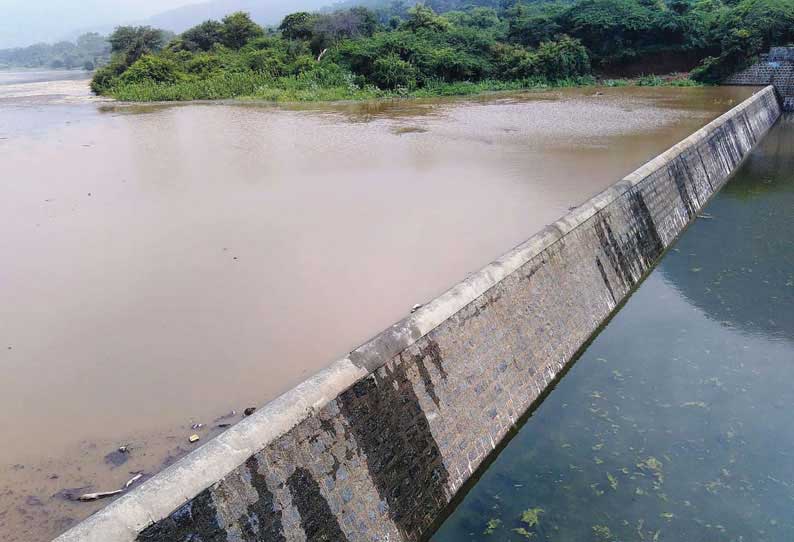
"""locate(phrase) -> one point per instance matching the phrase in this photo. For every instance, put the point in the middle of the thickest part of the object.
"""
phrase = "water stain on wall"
(402, 456)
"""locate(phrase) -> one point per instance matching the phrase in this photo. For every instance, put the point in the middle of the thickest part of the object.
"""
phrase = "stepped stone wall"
(775, 68)
(375, 447)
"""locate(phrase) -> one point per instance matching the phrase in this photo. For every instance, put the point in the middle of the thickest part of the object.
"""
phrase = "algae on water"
(602, 533)
(523, 532)
(531, 517)
(492, 525)
(613, 482)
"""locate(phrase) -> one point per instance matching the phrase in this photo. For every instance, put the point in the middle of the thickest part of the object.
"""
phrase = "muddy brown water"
(163, 265)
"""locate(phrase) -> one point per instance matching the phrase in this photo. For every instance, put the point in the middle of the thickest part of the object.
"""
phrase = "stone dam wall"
(376, 446)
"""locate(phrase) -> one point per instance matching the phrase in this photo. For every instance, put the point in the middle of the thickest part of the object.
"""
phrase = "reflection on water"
(163, 265)
(675, 422)
(760, 255)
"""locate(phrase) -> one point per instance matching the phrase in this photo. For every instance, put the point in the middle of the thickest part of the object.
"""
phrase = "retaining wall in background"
(377, 445)
(775, 68)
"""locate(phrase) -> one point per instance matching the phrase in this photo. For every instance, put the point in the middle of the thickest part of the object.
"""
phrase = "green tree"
(203, 37)
(421, 17)
(132, 42)
(611, 29)
(531, 25)
(298, 26)
(745, 30)
(238, 29)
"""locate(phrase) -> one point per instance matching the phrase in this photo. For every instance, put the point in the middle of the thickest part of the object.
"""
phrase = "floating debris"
(416, 308)
(193, 439)
(248, 411)
(133, 480)
(228, 416)
(88, 497)
(223, 425)
(197, 426)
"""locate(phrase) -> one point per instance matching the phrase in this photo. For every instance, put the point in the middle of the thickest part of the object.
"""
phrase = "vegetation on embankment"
(465, 46)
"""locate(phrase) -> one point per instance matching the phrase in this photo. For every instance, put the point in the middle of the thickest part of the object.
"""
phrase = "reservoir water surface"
(164, 265)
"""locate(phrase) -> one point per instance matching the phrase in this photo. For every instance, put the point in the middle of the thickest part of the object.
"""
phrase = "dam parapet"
(775, 68)
(379, 444)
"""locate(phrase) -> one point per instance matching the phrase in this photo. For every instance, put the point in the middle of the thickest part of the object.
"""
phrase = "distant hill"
(264, 12)
(271, 12)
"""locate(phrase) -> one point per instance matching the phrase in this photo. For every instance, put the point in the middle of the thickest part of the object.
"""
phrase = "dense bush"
(744, 31)
(562, 59)
(202, 37)
(154, 69)
(391, 72)
(439, 46)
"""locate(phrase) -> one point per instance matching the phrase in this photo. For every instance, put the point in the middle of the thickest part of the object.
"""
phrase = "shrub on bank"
(152, 69)
(399, 51)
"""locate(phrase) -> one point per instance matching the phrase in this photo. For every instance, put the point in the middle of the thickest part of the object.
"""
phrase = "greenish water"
(676, 423)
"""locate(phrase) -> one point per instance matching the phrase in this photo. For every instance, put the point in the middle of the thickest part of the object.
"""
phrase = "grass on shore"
(297, 89)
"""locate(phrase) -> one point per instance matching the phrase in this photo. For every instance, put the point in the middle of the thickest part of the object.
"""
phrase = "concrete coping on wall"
(155, 499)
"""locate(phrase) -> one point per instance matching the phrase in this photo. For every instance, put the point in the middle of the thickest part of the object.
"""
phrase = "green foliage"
(744, 31)
(154, 69)
(421, 17)
(266, 61)
(104, 79)
(533, 24)
(237, 29)
(298, 26)
(562, 59)
(203, 65)
(391, 72)
(203, 37)
(132, 42)
(384, 48)
(611, 29)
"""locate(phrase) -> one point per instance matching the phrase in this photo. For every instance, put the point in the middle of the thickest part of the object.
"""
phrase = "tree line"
(438, 46)
(87, 52)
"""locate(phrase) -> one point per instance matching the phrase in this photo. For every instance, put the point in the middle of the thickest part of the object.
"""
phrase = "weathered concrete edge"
(161, 495)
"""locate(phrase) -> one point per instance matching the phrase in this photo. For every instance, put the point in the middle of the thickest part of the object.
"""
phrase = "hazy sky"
(23, 22)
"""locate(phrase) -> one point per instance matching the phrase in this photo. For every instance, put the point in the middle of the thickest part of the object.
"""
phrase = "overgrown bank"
(464, 47)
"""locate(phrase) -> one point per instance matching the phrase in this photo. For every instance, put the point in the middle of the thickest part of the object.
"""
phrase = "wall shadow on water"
(753, 214)
(674, 422)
